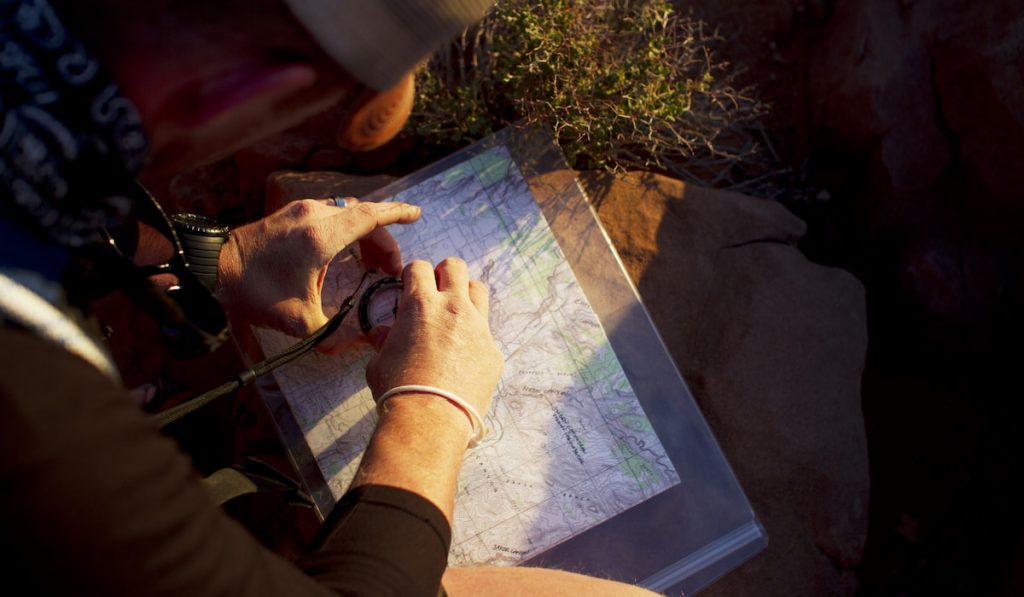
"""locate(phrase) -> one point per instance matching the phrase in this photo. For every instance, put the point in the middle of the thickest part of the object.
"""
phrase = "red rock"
(329, 158)
(980, 84)
(927, 84)
(773, 348)
(291, 149)
(872, 82)
(207, 190)
(285, 186)
(384, 156)
(956, 286)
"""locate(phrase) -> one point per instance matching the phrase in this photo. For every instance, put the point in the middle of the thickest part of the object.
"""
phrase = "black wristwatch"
(201, 239)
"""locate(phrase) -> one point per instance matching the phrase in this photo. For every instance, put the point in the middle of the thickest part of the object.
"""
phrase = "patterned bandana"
(70, 144)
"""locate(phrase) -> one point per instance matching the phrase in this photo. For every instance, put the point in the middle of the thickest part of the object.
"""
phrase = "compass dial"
(379, 304)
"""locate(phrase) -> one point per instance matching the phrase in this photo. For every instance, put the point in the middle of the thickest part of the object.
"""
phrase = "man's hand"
(440, 338)
(272, 271)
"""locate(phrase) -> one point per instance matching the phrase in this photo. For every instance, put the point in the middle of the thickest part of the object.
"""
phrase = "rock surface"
(922, 90)
(773, 348)
(910, 115)
(286, 185)
(930, 86)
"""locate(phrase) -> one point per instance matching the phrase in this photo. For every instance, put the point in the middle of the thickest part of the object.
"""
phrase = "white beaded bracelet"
(479, 430)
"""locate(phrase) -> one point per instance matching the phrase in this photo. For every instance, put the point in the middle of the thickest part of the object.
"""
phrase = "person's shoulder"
(25, 354)
(43, 384)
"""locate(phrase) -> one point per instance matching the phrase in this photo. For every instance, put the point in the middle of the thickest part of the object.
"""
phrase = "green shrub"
(620, 83)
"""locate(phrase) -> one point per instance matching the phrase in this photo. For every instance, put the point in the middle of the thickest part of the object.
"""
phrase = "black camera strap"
(246, 377)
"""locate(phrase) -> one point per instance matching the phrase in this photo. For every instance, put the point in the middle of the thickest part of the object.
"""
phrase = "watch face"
(379, 304)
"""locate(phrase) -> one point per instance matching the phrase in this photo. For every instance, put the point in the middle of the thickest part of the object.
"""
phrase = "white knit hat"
(379, 41)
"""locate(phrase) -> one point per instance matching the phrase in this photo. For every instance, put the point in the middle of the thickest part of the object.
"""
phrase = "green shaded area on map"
(490, 167)
(633, 464)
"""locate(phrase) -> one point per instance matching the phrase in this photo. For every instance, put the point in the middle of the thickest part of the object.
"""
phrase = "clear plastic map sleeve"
(599, 460)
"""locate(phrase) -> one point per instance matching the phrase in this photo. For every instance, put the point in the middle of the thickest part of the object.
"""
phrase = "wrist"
(476, 421)
(228, 270)
(435, 416)
(418, 446)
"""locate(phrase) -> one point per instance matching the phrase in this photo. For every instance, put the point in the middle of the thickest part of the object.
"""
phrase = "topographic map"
(570, 445)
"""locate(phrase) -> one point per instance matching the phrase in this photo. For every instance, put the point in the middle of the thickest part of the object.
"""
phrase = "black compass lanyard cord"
(244, 378)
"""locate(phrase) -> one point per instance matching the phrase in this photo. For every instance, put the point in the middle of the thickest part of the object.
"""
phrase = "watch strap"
(201, 240)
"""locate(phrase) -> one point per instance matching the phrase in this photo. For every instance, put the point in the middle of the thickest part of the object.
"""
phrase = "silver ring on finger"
(340, 201)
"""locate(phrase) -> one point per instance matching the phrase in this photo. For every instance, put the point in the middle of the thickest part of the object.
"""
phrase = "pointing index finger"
(359, 220)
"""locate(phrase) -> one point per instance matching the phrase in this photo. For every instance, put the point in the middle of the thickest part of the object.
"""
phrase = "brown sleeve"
(96, 501)
(372, 520)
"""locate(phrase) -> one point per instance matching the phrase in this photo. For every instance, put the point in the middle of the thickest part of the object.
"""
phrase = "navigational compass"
(379, 304)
